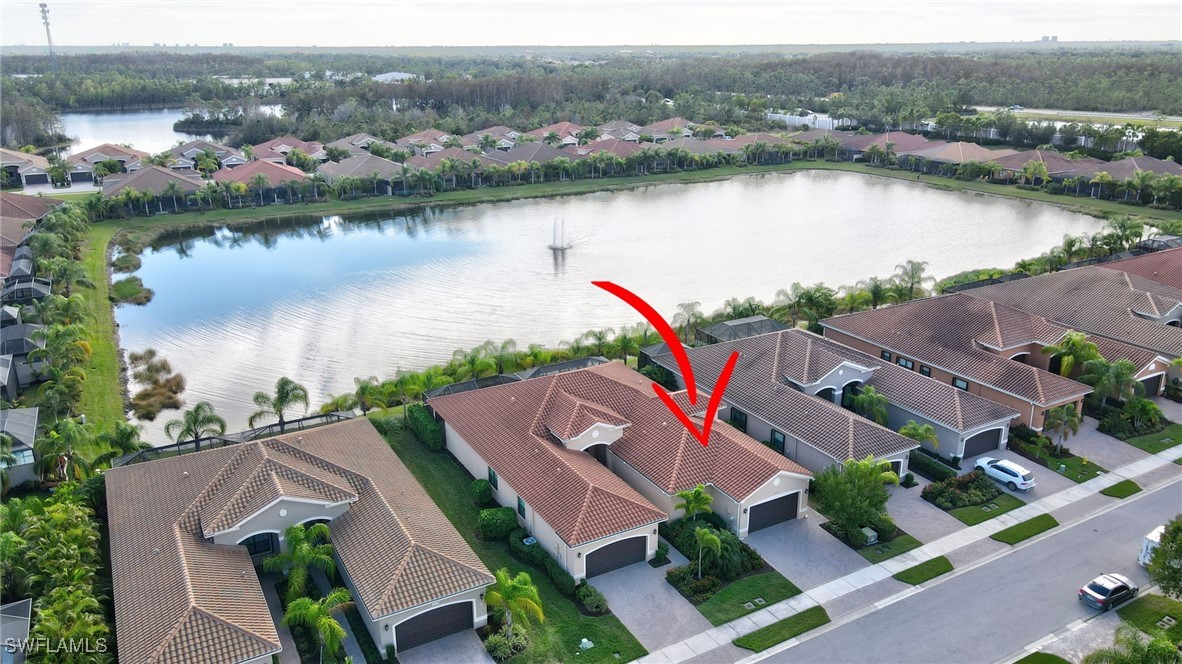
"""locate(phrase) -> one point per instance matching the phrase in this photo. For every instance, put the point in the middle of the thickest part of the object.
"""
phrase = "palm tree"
(706, 539)
(913, 275)
(920, 433)
(688, 314)
(308, 548)
(1062, 421)
(870, 404)
(1117, 378)
(343, 402)
(59, 454)
(319, 616)
(199, 422)
(600, 340)
(694, 501)
(517, 596)
(1142, 412)
(1099, 182)
(875, 289)
(473, 364)
(124, 439)
(173, 189)
(7, 459)
(1130, 648)
(366, 393)
(287, 394)
(551, 138)
(1073, 350)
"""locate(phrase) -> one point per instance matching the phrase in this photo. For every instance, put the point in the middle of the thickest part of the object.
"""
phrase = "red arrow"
(683, 363)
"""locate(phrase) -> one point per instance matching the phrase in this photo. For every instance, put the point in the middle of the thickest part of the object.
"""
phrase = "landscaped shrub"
(387, 426)
(964, 491)
(563, 581)
(591, 599)
(908, 481)
(1116, 426)
(424, 427)
(662, 551)
(734, 560)
(506, 643)
(533, 554)
(481, 492)
(496, 523)
(696, 590)
(928, 467)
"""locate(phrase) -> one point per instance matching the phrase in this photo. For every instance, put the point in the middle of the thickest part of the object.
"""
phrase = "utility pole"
(48, 37)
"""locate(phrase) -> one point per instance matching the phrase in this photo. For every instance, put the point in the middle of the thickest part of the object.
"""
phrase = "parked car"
(1108, 590)
(1012, 475)
(1149, 545)
(1016, 107)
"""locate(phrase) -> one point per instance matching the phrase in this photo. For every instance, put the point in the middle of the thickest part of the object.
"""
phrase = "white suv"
(1012, 475)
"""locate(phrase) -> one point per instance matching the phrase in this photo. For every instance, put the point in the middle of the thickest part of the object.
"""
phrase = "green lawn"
(883, 550)
(556, 640)
(1077, 469)
(780, 631)
(925, 571)
(1162, 440)
(102, 391)
(973, 515)
(1122, 489)
(727, 604)
(1144, 612)
(1025, 530)
(1042, 658)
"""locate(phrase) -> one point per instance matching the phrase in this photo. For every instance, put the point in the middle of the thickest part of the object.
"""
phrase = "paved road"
(989, 612)
(1100, 116)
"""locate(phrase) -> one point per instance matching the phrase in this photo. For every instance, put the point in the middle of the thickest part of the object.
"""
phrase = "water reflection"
(325, 299)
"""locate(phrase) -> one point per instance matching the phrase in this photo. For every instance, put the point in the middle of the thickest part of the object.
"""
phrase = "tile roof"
(536, 151)
(22, 160)
(152, 179)
(1128, 167)
(363, 166)
(739, 141)
(107, 151)
(667, 125)
(275, 173)
(435, 159)
(18, 213)
(180, 598)
(270, 149)
(713, 146)
(1056, 162)
(563, 129)
(613, 146)
(954, 333)
(959, 153)
(619, 128)
(1164, 267)
(753, 388)
(814, 134)
(1098, 300)
(358, 144)
(902, 140)
(1113, 350)
(222, 151)
(429, 135)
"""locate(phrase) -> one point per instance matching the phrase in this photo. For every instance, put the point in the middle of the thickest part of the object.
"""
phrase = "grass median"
(1025, 530)
(925, 571)
(1122, 489)
(974, 514)
(730, 602)
(1160, 441)
(1145, 612)
(780, 631)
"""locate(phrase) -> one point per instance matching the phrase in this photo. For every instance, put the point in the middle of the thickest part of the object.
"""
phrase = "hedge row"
(424, 427)
(925, 466)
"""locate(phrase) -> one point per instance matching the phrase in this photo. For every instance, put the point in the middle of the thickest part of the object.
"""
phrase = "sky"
(582, 22)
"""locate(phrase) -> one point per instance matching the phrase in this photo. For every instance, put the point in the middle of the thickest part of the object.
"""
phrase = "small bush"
(591, 599)
(929, 468)
(908, 481)
(1116, 426)
(481, 492)
(533, 554)
(496, 523)
(424, 427)
(498, 647)
(563, 581)
(387, 426)
(964, 491)
(736, 557)
(696, 590)
(662, 551)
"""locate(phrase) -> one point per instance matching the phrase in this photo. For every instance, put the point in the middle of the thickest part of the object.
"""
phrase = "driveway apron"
(655, 613)
(802, 551)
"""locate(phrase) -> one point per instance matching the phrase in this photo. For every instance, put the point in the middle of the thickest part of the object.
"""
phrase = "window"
(960, 384)
(258, 545)
(492, 477)
(521, 507)
(906, 363)
(777, 441)
(739, 419)
(886, 355)
(925, 370)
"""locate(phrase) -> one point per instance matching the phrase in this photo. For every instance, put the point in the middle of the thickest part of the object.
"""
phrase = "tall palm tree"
(913, 274)
(59, 454)
(123, 439)
(288, 393)
(308, 548)
(173, 189)
(367, 393)
(319, 615)
(7, 459)
(1074, 350)
(920, 433)
(1117, 378)
(706, 539)
(870, 404)
(517, 596)
(694, 501)
(688, 315)
(875, 289)
(199, 422)
(343, 402)
(600, 341)
(1062, 421)
(1100, 181)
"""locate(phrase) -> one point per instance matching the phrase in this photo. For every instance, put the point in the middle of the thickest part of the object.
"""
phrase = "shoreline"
(140, 231)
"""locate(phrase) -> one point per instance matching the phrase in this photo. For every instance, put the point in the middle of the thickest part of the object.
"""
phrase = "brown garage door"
(434, 624)
(616, 555)
(772, 512)
(1152, 385)
(986, 441)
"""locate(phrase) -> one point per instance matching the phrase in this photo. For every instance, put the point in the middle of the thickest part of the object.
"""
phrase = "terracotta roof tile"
(1164, 267)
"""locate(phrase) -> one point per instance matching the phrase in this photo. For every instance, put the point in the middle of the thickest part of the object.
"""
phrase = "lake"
(325, 300)
(150, 131)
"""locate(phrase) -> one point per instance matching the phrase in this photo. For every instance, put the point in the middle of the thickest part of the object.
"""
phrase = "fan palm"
(288, 393)
(308, 548)
(199, 422)
(517, 596)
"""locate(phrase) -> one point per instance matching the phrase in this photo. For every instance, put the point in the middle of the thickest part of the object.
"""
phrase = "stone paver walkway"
(827, 593)
(1101, 448)
(289, 654)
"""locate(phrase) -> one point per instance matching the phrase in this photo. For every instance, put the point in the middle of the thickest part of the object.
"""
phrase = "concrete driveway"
(1101, 448)
(655, 613)
(462, 648)
(1171, 409)
(1047, 481)
(802, 551)
(917, 517)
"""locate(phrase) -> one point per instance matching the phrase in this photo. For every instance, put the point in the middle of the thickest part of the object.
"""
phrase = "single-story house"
(129, 158)
(277, 149)
(24, 168)
(568, 132)
(1123, 169)
(17, 341)
(854, 146)
(1102, 301)
(277, 175)
(617, 147)
(1058, 165)
(1163, 267)
(187, 532)
(940, 155)
(424, 142)
(358, 144)
(21, 426)
(155, 180)
(18, 216)
(620, 130)
(668, 128)
(811, 430)
(363, 166)
(738, 328)
(711, 146)
(535, 151)
(431, 161)
(591, 460)
(505, 138)
(188, 154)
(978, 346)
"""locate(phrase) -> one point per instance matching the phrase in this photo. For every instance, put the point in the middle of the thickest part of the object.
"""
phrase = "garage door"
(1152, 385)
(616, 555)
(986, 441)
(81, 176)
(434, 624)
(772, 512)
(37, 178)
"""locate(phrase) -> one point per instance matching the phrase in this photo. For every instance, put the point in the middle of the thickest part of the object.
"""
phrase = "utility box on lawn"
(871, 536)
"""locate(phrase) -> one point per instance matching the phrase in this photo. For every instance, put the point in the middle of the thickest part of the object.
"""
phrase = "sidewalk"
(840, 587)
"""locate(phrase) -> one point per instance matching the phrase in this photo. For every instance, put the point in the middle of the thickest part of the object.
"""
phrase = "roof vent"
(185, 474)
(512, 398)
(156, 550)
(299, 439)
